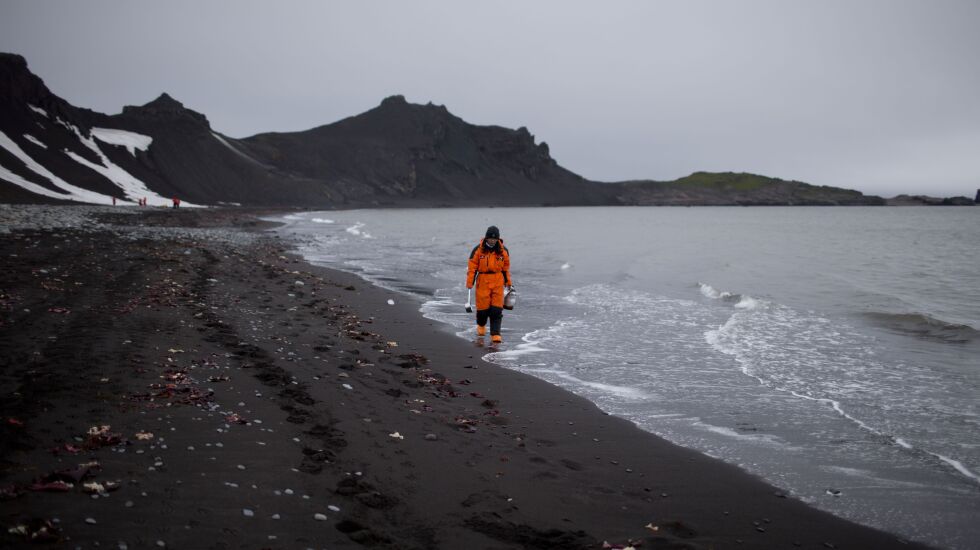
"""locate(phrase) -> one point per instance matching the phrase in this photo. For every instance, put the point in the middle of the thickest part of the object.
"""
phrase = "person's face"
(491, 242)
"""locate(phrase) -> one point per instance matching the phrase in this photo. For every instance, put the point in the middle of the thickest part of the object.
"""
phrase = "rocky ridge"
(398, 154)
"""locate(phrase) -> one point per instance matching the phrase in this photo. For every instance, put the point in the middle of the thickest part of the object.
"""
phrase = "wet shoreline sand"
(255, 401)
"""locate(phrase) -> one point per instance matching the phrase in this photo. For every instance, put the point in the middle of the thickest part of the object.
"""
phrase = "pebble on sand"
(247, 513)
(320, 517)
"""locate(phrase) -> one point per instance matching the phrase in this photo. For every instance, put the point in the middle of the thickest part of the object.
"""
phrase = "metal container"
(510, 299)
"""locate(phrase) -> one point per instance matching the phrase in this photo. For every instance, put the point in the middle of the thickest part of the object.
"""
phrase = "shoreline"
(314, 386)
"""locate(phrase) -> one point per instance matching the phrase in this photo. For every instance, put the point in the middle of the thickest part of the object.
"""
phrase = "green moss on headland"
(737, 188)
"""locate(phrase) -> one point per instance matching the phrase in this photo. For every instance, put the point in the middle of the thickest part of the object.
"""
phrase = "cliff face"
(397, 154)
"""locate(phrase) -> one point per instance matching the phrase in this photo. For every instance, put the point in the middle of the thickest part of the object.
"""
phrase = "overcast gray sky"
(881, 96)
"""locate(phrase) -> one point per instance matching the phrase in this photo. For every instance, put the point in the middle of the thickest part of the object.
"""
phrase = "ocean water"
(834, 352)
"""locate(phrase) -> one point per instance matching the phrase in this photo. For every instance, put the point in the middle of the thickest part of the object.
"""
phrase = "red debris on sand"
(631, 544)
(10, 492)
(51, 486)
(128, 307)
(59, 310)
(416, 358)
(448, 390)
(61, 481)
(15, 422)
(100, 436)
(234, 418)
(463, 421)
(37, 530)
(83, 471)
(177, 376)
(68, 448)
(98, 488)
(55, 285)
(64, 480)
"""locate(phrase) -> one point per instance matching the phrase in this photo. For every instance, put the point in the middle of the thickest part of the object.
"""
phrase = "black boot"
(496, 317)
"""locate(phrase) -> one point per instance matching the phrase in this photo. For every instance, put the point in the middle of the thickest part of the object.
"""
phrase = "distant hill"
(923, 200)
(397, 154)
(728, 188)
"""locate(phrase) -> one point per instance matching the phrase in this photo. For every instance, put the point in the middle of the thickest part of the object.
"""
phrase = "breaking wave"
(358, 230)
(709, 291)
(739, 301)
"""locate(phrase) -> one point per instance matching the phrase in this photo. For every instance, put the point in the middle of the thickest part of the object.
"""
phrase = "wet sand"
(178, 379)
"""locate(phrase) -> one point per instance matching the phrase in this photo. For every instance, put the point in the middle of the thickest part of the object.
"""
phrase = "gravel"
(128, 223)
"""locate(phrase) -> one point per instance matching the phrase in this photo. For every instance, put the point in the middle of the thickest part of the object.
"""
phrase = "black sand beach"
(178, 379)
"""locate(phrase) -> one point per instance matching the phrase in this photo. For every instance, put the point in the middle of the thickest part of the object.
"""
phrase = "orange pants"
(490, 291)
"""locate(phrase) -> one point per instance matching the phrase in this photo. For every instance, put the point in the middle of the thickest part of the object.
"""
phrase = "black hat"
(493, 232)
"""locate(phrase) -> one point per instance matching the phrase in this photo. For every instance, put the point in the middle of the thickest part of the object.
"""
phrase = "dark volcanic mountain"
(397, 154)
(402, 153)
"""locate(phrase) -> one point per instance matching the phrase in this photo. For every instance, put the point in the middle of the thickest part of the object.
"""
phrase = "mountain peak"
(393, 100)
(17, 82)
(165, 101)
(13, 60)
(164, 107)
(398, 101)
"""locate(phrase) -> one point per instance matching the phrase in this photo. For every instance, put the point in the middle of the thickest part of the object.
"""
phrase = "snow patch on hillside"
(70, 192)
(132, 187)
(35, 141)
(130, 140)
(38, 110)
(224, 142)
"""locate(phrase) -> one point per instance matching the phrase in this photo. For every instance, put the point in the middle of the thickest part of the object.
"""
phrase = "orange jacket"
(485, 261)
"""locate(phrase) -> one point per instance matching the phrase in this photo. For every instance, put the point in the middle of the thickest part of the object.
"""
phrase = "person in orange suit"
(489, 270)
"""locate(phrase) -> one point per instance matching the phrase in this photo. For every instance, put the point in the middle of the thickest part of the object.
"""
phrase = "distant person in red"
(176, 202)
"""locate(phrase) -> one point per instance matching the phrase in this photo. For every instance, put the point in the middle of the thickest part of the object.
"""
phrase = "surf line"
(955, 464)
(711, 337)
